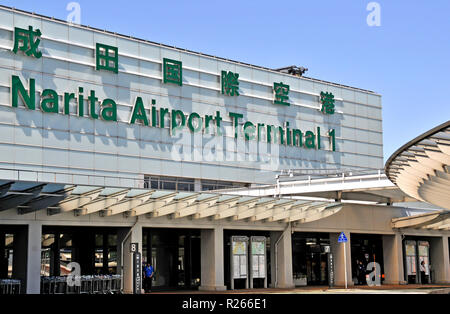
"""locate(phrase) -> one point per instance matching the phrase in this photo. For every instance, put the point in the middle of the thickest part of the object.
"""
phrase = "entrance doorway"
(175, 257)
(310, 258)
(365, 249)
(416, 256)
(95, 249)
(13, 257)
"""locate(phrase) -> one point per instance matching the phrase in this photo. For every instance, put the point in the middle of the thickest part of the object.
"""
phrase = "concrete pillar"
(281, 259)
(393, 259)
(337, 249)
(274, 236)
(439, 260)
(127, 262)
(212, 260)
(27, 258)
(197, 185)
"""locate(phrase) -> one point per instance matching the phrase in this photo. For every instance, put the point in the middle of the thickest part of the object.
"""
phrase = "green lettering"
(249, 131)
(67, 98)
(218, 119)
(281, 130)
(310, 140)
(207, 120)
(18, 89)
(154, 112)
(49, 104)
(162, 114)
(235, 117)
(297, 136)
(196, 116)
(139, 112)
(174, 125)
(93, 100)
(260, 126)
(109, 110)
(318, 138)
(80, 102)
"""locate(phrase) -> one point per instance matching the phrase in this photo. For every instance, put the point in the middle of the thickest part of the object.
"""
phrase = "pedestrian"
(148, 277)
(422, 272)
(362, 273)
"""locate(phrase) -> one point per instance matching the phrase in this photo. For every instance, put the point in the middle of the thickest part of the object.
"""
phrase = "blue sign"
(342, 238)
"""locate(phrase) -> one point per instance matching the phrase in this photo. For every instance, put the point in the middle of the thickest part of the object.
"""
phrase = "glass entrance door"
(175, 257)
(316, 269)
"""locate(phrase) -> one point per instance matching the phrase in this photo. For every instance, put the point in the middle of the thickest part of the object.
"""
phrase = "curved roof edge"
(413, 142)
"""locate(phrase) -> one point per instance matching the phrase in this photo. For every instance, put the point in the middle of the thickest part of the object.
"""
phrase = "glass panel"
(99, 240)
(65, 256)
(65, 240)
(48, 240)
(168, 185)
(45, 262)
(112, 240)
(98, 261)
(112, 261)
(181, 272)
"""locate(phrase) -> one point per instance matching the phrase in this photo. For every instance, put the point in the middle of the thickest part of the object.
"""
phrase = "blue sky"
(406, 59)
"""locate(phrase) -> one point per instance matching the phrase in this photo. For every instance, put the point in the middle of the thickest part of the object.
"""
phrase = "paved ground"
(384, 289)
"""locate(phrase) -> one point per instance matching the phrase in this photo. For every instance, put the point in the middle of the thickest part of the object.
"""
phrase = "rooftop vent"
(293, 69)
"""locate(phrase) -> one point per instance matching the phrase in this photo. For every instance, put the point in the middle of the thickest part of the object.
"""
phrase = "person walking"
(148, 277)
(422, 272)
(362, 273)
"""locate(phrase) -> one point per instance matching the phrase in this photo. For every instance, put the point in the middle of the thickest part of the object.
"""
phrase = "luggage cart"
(60, 286)
(116, 281)
(47, 285)
(72, 289)
(86, 285)
(107, 283)
(10, 286)
(97, 285)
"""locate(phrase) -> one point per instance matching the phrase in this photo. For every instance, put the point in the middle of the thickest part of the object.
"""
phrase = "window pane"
(112, 240)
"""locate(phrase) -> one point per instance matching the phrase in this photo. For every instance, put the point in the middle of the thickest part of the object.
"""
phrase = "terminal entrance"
(175, 257)
(13, 257)
(95, 249)
(366, 248)
(310, 258)
(416, 256)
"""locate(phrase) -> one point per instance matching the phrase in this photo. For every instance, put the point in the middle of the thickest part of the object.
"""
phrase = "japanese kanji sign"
(107, 58)
(281, 94)
(27, 40)
(230, 83)
(327, 101)
(172, 71)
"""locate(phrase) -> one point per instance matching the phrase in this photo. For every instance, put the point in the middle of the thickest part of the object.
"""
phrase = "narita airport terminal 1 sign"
(154, 117)
(27, 41)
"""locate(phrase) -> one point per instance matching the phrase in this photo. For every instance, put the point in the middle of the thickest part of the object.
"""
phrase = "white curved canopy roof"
(26, 197)
(421, 168)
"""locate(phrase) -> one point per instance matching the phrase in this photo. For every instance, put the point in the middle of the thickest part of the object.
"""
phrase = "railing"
(70, 178)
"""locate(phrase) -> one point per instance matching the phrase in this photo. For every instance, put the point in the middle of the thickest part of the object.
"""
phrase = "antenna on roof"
(293, 69)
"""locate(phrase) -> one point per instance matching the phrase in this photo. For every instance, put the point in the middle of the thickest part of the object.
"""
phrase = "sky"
(405, 58)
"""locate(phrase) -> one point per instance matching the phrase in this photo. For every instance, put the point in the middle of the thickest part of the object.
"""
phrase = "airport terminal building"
(208, 166)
